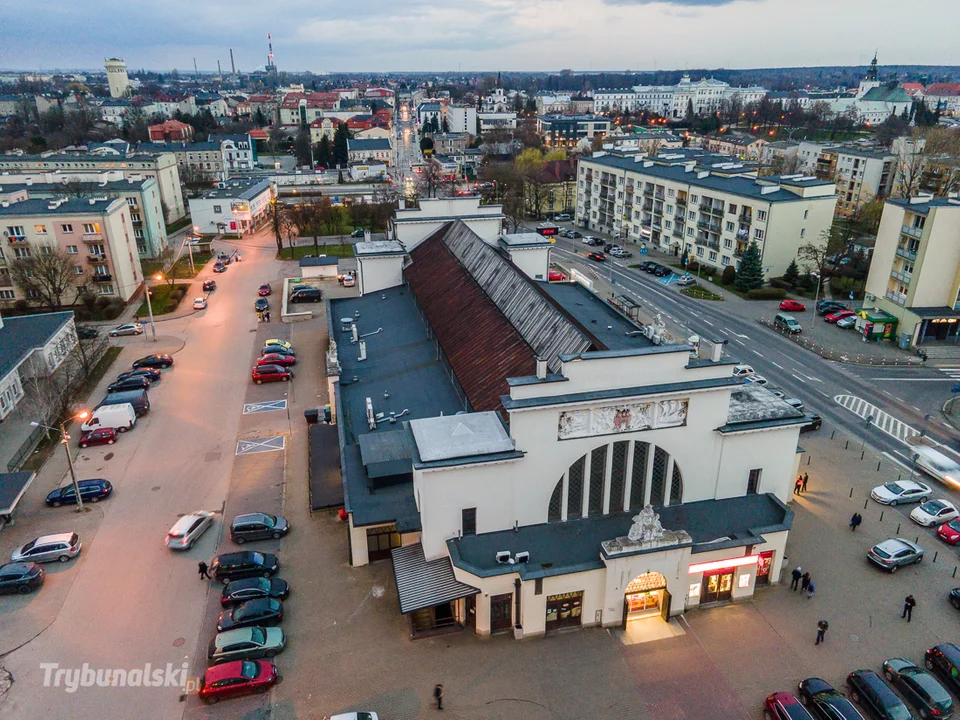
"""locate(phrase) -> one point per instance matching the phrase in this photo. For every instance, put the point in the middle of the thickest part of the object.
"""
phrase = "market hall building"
(530, 460)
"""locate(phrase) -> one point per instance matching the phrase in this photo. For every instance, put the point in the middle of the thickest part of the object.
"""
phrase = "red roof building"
(171, 131)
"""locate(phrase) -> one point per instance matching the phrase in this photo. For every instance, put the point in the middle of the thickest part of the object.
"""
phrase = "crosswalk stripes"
(884, 421)
(951, 371)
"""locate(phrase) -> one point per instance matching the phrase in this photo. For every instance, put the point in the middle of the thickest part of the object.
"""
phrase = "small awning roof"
(12, 488)
(422, 584)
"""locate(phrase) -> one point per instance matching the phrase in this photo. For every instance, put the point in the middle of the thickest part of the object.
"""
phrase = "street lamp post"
(926, 419)
(153, 326)
(866, 427)
(65, 439)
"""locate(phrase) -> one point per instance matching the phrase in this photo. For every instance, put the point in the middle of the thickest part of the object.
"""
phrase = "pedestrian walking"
(810, 590)
(908, 605)
(796, 575)
(799, 485)
(438, 695)
(202, 568)
(804, 581)
(259, 316)
(266, 315)
(803, 487)
(855, 521)
(822, 628)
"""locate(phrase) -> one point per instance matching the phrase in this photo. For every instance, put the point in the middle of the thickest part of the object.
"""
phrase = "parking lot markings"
(264, 406)
(259, 445)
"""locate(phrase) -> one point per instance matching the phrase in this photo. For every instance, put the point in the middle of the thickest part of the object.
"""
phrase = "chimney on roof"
(541, 369)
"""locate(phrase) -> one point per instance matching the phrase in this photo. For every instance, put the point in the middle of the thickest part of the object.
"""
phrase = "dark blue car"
(90, 491)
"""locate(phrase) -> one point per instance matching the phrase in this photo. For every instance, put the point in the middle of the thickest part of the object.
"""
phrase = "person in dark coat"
(855, 521)
(202, 569)
(804, 581)
(438, 695)
(822, 628)
(908, 605)
(796, 575)
(803, 486)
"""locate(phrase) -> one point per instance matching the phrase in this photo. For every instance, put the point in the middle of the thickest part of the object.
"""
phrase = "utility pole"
(233, 68)
(196, 73)
(73, 475)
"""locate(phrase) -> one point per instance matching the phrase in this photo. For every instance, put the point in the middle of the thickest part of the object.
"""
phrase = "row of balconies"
(906, 253)
(896, 297)
(92, 237)
(102, 277)
(901, 276)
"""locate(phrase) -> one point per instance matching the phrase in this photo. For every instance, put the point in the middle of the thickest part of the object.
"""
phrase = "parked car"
(621, 253)
(136, 382)
(21, 578)
(47, 548)
(357, 233)
(237, 678)
(597, 256)
(944, 660)
(787, 323)
(687, 281)
(100, 436)
(784, 706)
(814, 422)
(792, 306)
(742, 371)
(253, 588)
(126, 329)
(160, 360)
(348, 279)
(591, 240)
(264, 290)
(277, 359)
(869, 690)
(556, 276)
(188, 529)
(755, 379)
(250, 643)
(934, 512)
(277, 350)
(199, 303)
(650, 266)
(359, 715)
(237, 565)
(838, 315)
(847, 322)
(219, 267)
(261, 304)
(825, 307)
(662, 271)
(85, 332)
(148, 373)
(894, 553)
(209, 285)
(270, 373)
(826, 702)
(574, 234)
(277, 341)
(901, 492)
(262, 612)
(562, 217)
(950, 532)
(258, 526)
(954, 598)
(90, 491)
(919, 687)
(305, 294)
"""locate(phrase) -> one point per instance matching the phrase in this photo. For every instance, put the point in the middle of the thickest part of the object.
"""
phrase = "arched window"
(556, 503)
(676, 486)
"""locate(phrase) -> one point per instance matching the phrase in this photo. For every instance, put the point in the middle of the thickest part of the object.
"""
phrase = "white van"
(937, 465)
(120, 417)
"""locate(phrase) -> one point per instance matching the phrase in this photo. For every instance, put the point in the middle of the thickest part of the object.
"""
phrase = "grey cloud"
(683, 3)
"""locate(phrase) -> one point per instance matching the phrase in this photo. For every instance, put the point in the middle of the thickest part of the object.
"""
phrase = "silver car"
(48, 548)
(188, 529)
(250, 643)
(894, 553)
(127, 329)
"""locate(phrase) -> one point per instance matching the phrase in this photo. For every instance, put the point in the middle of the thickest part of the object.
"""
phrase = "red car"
(554, 276)
(792, 306)
(100, 436)
(598, 256)
(784, 706)
(271, 373)
(265, 290)
(241, 677)
(838, 315)
(950, 532)
(276, 359)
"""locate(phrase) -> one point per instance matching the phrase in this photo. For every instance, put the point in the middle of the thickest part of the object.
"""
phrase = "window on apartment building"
(724, 260)
(15, 231)
(667, 224)
(132, 201)
(761, 215)
(40, 229)
(694, 198)
(97, 250)
(732, 209)
(636, 229)
(728, 243)
(758, 234)
(713, 257)
(46, 250)
(21, 253)
(699, 252)
(729, 226)
(33, 295)
(468, 521)
(7, 295)
(691, 215)
(690, 232)
(77, 270)
(753, 481)
(105, 289)
(806, 213)
(91, 228)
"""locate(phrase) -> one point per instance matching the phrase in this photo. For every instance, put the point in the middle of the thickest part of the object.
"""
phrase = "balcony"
(681, 203)
(102, 277)
(718, 211)
(17, 239)
(912, 231)
(745, 219)
(902, 277)
(648, 206)
(648, 192)
(897, 297)
(906, 253)
(705, 208)
(659, 196)
(713, 244)
(96, 259)
(93, 237)
(678, 232)
(707, 225)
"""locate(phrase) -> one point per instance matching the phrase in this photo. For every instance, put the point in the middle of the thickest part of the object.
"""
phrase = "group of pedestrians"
(800, 486)
(263, 315)
(802, 582)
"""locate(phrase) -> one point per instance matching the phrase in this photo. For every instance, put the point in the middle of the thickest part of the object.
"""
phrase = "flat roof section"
(459, 436)
(599, 319)
(751, 403)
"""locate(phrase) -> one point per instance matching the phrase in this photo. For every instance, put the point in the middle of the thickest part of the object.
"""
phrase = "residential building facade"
(376, 149)
(236, 207)
(734, 144)
(171, 131)
(569, 130)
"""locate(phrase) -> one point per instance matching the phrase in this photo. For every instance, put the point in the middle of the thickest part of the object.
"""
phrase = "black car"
(814, 422)
(209, 285)
(305, 294)
(219, 267)
(148, 373)
(662, 271)
(153, 361)
(651, 267)
(257, 526)
(954, 598)
(574, 234)
(261, 305)
(608, 247)
(253, 588)
(90, 491)
(825, 307)
(919, 687)
(85, 332)
(262, 613)
(277, 350)
(944, 660)
(20, 577)
(826, 702)
(645, 264)
(238, 565)
(134, 382)
(870, 691)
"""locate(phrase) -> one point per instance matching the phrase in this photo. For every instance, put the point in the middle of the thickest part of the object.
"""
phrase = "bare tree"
(49, 275)
(431, 177)
(816, 255)
(910, 163)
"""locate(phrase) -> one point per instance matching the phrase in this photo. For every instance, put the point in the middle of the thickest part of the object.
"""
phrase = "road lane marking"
(756, 353)
(797, 377)
(780, 367)
(709, 323)
(900, 379)
(883, 421)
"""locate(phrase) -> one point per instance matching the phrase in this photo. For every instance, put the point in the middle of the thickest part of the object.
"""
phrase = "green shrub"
(780, 283)
(693, 266)
(729, 275)
(81, 314)
(172, 305)
(113, 311)
(792, 272)
(102, 303)
(768, 293)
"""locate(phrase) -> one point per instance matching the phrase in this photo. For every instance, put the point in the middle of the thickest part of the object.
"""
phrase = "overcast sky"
(441, 35)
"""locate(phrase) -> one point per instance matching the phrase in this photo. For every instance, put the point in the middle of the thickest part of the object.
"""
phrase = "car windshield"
(933, 507)
(898, 712)
(877, 550)
(895, 488)
(29, 546)
(954, 524)
(249, 670)
(263, 584)
(257, 558)
(270, 520)
(258, 635)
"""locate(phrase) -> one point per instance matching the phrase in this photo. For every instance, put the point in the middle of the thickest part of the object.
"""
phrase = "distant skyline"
(477, 35)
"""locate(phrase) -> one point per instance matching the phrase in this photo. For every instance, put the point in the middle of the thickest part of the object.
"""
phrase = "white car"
(127, 329)
(353, 716)
(934, 512)
(188, 529)
(901, 492)
(847, 322)
(742, 371)
(756, 379)
(199, 303)
(686, 281)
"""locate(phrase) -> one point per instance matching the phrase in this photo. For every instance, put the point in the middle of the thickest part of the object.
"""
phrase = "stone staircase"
(937, 353)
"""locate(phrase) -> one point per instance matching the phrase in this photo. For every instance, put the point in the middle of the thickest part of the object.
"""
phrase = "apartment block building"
(861, 175)
(734, 144)
(97, 232)
(199, 157)
(710, 212)
(915, 271)
(568, 130)
(119, 157)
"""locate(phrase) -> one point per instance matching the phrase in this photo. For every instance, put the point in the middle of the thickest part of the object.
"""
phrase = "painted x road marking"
(264, 406)
(248, 447)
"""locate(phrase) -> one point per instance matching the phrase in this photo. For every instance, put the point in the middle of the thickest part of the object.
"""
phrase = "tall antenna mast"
(196, 73)
(270, 65)
(233, 68)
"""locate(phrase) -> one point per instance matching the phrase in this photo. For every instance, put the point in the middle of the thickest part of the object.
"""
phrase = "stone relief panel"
(622, 418)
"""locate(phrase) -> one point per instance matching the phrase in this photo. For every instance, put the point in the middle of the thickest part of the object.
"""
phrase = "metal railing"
(912, 231)
(901, 276)
(905, 253)
(896, 297)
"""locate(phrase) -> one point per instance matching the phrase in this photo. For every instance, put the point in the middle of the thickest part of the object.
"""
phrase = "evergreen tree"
(323, 152)
(750, 274)
(340, 144)
(792, 273)
(301, 146)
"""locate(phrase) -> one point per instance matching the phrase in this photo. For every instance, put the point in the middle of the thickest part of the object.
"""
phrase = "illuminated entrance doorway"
(717, 586)
(646, 597)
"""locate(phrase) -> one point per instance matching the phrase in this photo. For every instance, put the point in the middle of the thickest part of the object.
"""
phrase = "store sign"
(625, 418)
(723, 564)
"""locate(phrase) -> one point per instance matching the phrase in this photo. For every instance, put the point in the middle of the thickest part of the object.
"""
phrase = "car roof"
(270, 368)
(229, 637)
(249, 517)
(187, 520)
(951, 651)
(58, 537)
(897, 544)
(224, 671)
(16, 568)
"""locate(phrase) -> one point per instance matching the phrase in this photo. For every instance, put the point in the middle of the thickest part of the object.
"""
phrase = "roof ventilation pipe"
(371, 420)
(541, 369)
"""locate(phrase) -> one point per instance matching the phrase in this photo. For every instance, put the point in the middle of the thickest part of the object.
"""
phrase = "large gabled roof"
(20, 336)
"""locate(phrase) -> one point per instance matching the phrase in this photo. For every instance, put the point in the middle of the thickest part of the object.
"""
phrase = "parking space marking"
(249, 447)
(884, 421)
(264, 406)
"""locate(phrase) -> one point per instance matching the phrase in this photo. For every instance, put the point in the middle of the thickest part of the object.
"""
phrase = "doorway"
(644, 597)
(717, 586)
(501, 618)
(564, 610)
(381, 540)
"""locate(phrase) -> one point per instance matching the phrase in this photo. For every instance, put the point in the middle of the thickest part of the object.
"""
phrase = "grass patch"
(100, 369)
(698, 292)
(152, 267)
(178, 224)
(164, 299)
(340, 251)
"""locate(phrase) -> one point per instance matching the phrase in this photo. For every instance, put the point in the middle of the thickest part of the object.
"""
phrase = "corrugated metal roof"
(422, 584)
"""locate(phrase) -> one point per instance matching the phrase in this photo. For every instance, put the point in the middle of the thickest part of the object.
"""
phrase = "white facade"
(706, 95)
(379, 265)
(462, 119)
(237, 206)
(412, 225)
(117, 77)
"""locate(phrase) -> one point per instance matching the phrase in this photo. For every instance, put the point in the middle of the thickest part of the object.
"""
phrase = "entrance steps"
(942, 352)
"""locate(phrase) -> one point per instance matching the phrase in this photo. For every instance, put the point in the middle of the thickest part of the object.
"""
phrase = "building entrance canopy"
(422, 584)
